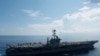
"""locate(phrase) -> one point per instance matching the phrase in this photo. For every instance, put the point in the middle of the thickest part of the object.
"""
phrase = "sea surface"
(69, 38)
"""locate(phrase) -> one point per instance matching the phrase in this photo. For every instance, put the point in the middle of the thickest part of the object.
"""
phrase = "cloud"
(87, 2)
(46, 28)
(84, 8)
(85, 20)
(35, 14)
(31, 13)
(98, 4)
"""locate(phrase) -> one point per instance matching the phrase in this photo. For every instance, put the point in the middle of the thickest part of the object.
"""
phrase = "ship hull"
(69, 49)
(56, 53)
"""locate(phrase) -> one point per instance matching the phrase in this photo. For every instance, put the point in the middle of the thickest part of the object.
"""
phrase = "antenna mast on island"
(54, 33)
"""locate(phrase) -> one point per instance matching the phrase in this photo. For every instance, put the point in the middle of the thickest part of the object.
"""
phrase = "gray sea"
(69, 38)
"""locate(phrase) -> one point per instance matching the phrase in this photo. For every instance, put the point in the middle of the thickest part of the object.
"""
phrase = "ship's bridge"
(54, 41)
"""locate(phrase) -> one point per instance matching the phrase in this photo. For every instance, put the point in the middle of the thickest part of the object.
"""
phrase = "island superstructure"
(53, 46)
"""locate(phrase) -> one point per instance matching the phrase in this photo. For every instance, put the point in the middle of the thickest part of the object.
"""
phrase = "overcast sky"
(39, 17)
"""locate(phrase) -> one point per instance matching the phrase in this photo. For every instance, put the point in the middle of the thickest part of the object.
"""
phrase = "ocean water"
(69, 38)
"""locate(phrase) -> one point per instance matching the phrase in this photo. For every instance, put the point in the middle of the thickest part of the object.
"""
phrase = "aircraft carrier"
(53, 46)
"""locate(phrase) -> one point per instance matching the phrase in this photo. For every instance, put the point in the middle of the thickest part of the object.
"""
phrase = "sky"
(40, 17)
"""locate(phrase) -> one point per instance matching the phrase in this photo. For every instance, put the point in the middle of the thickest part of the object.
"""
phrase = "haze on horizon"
(39, 17)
